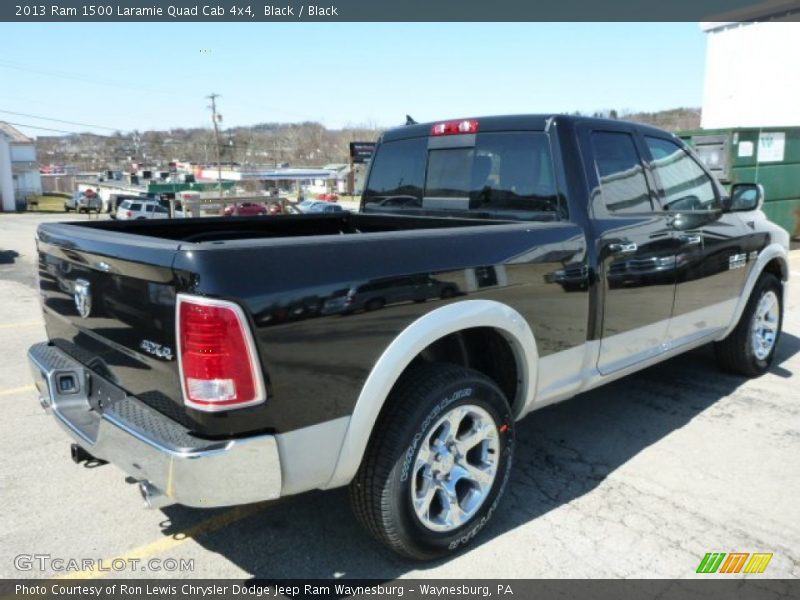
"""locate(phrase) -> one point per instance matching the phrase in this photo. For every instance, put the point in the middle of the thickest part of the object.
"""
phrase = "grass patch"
(49, 203)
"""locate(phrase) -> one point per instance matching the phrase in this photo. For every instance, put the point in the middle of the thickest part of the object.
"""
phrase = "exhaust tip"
(152, 496)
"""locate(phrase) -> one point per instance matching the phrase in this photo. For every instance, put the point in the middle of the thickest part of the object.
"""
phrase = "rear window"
(507, 175)
(398, 173)
(126, 204)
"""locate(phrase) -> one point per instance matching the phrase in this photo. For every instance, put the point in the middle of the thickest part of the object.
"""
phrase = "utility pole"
(215, 118)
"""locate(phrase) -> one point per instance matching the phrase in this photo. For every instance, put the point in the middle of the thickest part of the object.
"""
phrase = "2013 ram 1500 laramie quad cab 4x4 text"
(497, 265)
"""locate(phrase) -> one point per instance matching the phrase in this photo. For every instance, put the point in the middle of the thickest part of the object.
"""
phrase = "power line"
(19, 114)
(51, 129)
(8, 65)
(171, 93)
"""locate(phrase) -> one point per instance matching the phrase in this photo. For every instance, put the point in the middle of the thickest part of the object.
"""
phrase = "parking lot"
(640, 478)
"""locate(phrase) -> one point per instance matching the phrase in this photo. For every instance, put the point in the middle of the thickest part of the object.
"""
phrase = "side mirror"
(744, 197)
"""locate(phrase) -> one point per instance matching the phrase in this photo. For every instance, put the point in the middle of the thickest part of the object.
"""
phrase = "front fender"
(771, 252)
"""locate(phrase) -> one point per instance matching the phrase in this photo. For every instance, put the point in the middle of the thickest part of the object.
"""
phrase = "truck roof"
(512, 123)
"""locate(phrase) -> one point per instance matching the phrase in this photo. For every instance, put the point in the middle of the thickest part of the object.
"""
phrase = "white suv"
(141, 209)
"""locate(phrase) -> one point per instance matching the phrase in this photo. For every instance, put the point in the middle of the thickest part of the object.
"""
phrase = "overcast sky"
(155, 76)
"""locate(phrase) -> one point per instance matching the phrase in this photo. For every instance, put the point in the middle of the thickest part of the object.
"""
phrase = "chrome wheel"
(765, 325)
(454, 468)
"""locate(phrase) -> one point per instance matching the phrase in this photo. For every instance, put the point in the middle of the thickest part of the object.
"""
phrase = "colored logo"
(734, 562)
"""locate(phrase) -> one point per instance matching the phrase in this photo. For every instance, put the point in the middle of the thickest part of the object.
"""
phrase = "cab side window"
(686, 186)
(623, 186)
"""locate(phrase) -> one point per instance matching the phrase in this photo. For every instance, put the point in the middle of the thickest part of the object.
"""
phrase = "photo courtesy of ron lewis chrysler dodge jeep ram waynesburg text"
(497, 265)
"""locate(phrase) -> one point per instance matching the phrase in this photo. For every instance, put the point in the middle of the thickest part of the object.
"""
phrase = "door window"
(623, 187)
(685, 184)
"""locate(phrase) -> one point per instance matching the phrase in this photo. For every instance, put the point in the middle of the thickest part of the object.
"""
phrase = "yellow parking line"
(168, 543)
(17, 390)
(20, 324)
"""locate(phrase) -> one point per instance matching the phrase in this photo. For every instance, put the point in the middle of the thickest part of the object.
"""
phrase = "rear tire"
(437, 463)
(750, 348)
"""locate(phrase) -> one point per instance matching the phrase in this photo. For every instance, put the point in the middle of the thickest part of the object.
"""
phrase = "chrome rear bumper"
(149, 446)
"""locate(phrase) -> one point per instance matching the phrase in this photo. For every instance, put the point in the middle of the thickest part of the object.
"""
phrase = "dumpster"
(766, 155)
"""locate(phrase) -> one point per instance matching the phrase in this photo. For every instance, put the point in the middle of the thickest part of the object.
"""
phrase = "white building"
(752, 74)
(19, 169)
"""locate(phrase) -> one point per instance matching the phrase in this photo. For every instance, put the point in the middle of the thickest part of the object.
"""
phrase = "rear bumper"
(149, 446)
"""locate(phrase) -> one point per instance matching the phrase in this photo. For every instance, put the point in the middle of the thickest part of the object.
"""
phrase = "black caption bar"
(712, 588)
(400, 10)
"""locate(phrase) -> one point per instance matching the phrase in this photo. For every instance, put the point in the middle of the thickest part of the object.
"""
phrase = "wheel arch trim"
(767, 255)
(433, 326)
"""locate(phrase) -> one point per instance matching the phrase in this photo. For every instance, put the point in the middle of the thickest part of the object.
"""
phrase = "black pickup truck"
(497, 265)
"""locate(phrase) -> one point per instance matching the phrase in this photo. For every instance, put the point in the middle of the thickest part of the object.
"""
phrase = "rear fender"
(409, 343)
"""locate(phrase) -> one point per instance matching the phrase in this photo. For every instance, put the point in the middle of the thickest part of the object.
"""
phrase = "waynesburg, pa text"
(289, 590)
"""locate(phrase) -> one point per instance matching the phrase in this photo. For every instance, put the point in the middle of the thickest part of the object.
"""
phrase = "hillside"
(296, 144)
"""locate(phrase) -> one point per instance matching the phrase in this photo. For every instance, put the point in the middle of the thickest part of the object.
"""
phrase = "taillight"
(218, 363)
(130, 214)
(455, 127)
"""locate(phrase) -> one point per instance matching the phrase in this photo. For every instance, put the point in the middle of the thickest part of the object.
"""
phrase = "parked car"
(318, 206)
(141, 209)
(327, 197)
(85, 202)
(245, 209)
(116, 199)
(199, 358)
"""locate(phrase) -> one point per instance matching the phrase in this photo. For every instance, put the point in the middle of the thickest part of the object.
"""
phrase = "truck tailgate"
(114, 315)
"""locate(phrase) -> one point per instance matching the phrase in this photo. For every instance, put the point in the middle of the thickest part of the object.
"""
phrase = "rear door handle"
(623, 248)
(691, 239)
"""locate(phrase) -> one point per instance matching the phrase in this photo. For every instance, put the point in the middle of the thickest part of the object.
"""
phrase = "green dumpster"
(766, 155)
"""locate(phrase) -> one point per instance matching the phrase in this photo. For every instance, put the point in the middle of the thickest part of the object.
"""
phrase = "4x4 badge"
(83, 298)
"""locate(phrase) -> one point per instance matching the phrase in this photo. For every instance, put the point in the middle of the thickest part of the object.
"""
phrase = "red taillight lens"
(218, 362)
(130, 214)
(455, 127)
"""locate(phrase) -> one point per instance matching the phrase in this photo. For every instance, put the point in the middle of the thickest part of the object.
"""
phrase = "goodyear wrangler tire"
(750, 347)
(437, 462)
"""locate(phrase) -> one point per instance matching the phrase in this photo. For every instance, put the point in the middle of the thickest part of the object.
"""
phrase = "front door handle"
(691, 239)
(623, 248)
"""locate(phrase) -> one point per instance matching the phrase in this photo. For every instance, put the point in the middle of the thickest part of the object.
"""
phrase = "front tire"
(438, 462)
(750, 348)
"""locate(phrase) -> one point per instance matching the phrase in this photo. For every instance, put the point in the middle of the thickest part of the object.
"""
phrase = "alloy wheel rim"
(455, 468)
(765, 325)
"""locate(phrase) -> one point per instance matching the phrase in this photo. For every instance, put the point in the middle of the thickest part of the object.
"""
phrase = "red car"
(328, 197)
(245, 209)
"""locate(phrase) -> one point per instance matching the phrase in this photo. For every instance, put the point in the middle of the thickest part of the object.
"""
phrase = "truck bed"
(238, 228)
(291, 275)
